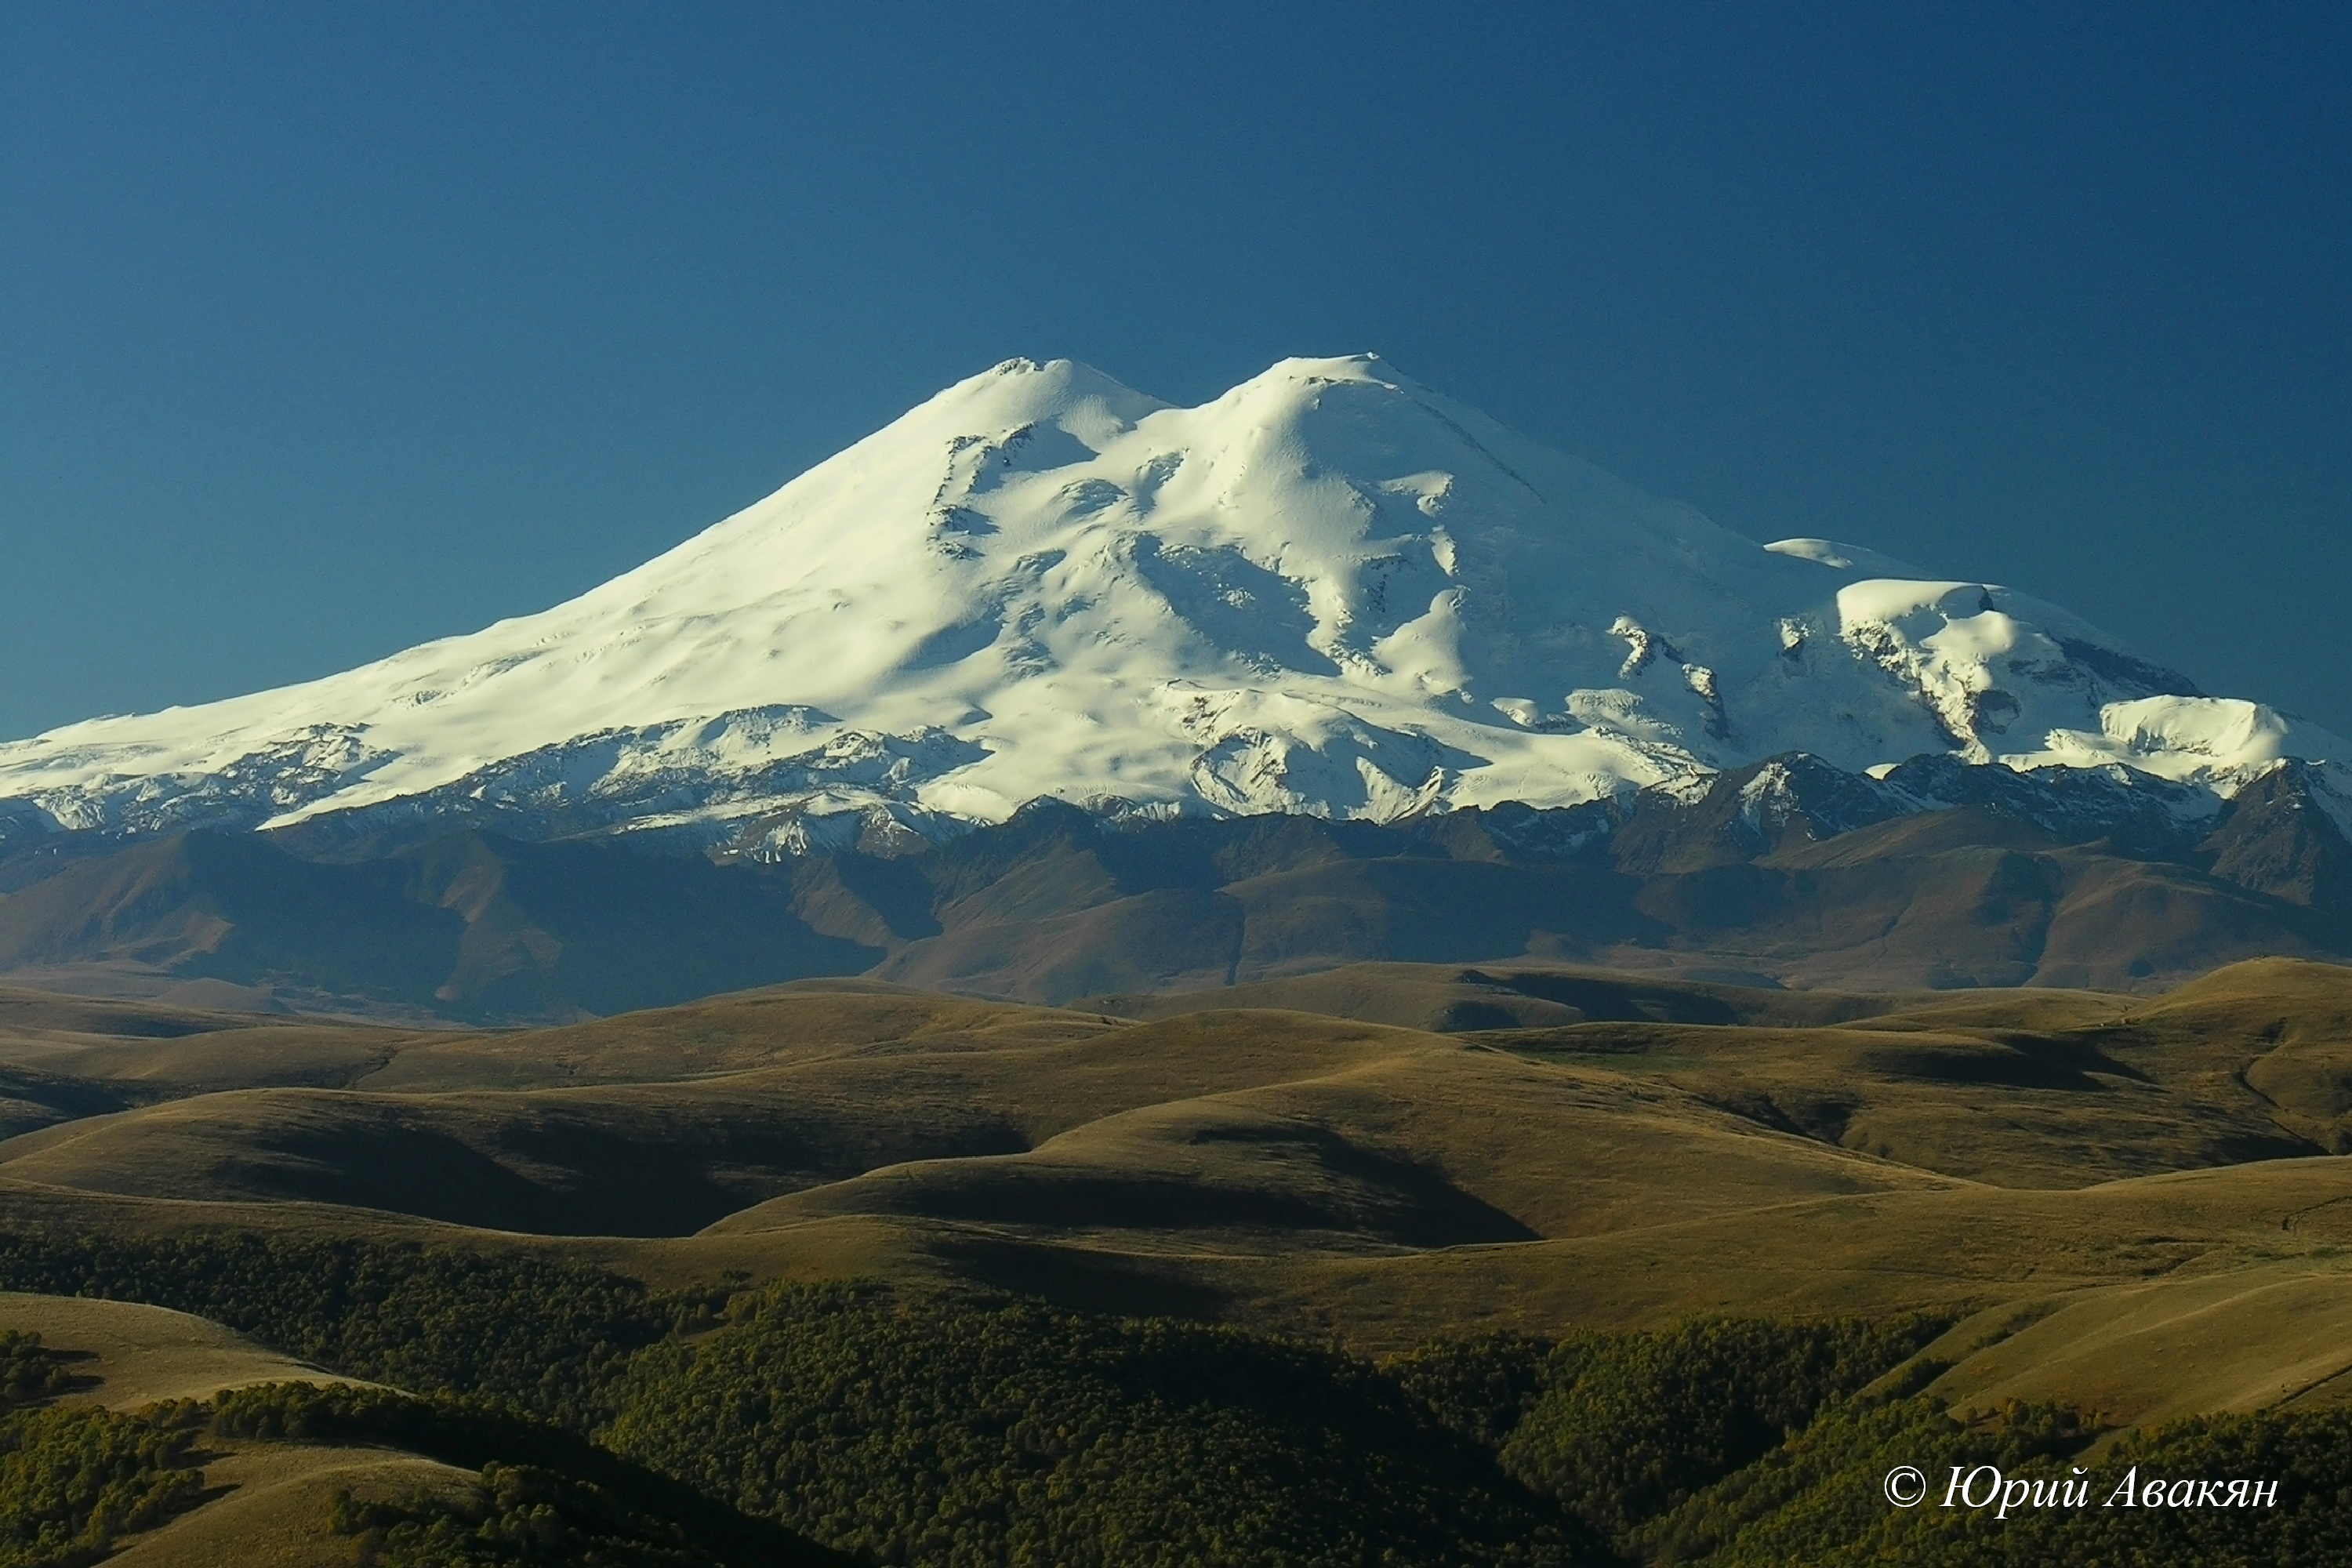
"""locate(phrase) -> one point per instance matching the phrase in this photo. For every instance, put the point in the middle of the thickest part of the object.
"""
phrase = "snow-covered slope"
(1331, 590)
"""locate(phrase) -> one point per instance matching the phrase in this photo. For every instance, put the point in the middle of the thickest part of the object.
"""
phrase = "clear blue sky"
(327, 329)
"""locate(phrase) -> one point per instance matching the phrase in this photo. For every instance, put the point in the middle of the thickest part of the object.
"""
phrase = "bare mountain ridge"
(1937, 875)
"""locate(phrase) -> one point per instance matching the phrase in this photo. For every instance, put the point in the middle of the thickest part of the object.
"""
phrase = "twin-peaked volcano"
(1328, 590)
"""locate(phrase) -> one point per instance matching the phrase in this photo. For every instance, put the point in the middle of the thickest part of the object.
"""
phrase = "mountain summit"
(1329, 591)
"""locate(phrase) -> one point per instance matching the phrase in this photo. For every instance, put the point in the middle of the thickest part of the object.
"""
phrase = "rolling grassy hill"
(1717, 1143)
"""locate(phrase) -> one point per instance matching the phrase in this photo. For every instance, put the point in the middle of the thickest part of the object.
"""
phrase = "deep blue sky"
(324, 329)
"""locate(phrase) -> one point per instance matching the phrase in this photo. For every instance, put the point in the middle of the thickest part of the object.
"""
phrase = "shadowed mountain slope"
(462, 926)
(1938, 875)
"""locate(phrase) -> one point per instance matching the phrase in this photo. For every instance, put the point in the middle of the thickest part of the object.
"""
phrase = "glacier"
(1329, 591)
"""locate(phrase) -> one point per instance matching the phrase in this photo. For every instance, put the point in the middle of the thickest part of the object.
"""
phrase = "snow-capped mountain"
(1329, 591)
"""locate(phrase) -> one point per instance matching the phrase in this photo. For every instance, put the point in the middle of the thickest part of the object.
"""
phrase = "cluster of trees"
(1741, 1444)
(29, 1370)
(544, 1335)
(954, 1430)
(1819, 1496)
(609, 1427)
(1818, 1499)
(75, 1478)
(544, 1495)
(964, 1430)
(1620, 1429)
(518, 1516)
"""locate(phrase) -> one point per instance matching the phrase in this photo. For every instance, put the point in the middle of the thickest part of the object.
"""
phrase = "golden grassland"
(2135, 1200)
